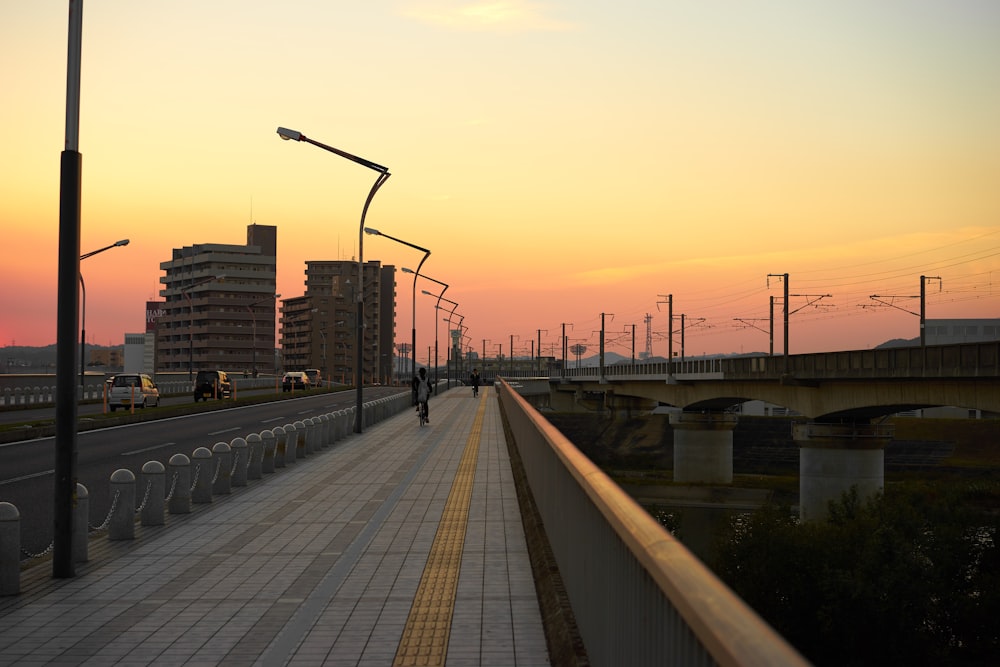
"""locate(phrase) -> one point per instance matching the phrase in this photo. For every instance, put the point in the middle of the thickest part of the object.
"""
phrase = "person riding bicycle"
(474, 380)
(422, 389)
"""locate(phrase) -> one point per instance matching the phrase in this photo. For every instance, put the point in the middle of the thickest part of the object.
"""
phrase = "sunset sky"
(560, 159)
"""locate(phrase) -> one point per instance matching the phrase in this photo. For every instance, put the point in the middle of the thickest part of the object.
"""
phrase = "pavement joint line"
(428, 626)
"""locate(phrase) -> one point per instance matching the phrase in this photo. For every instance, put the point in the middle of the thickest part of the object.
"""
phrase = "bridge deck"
(397, 546)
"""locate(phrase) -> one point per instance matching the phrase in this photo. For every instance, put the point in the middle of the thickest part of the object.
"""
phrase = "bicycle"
(422, 411)
(475, 390)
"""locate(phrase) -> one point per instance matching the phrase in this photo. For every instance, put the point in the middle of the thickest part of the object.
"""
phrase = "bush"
(907, 578)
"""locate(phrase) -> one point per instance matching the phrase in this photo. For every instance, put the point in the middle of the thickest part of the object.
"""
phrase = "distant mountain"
(25, 359)
(899, 342)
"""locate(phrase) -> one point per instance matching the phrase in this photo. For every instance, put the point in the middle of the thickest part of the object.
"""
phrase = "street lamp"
(184, 292)
(83, 307)
(253, 329)
(437, 306)
(427, 253)
(383, 175)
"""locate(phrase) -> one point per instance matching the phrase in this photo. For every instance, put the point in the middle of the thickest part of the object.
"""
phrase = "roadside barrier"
(172, 489)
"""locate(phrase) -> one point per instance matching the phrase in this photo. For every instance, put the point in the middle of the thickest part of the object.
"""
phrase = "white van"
(127, 388)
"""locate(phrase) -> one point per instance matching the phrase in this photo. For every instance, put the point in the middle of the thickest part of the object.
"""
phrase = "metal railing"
(638, 595)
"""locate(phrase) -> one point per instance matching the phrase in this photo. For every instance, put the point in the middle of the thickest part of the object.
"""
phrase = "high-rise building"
(219, 308)
(318, 329)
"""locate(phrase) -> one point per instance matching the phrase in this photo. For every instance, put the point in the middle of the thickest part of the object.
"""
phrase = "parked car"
(129, 388)
(295, 380)
(212, 384)
(315, 376)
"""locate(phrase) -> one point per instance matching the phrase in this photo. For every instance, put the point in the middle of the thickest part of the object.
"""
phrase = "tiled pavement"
(402, 545)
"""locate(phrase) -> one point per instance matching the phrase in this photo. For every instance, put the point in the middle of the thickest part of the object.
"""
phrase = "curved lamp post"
(83, 307)
(437, 306)
(427, 253)
(383, 175)
(253, 330)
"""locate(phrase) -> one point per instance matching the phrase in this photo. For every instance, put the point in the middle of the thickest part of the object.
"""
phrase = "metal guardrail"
(638, 595)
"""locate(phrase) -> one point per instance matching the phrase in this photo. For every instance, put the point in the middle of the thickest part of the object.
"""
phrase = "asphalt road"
(26, 467)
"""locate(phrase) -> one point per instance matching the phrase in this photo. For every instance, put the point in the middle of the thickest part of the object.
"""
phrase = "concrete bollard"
(179, 466)
(325, 425)
(10, 549)
(291, 442)
(240, 461)
(341, 415)
(81, 525)
(222, 468)
(311, 435)
(300, 439)
(255, 452)
(154, 487)
(267, 451)
(121, 524)
(204, 471)
(280, 440)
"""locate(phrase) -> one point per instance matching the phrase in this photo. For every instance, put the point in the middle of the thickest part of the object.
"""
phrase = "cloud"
(485, 15)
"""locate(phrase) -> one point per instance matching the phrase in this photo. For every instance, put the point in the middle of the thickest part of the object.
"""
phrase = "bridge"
(400, 545)
(843, 398)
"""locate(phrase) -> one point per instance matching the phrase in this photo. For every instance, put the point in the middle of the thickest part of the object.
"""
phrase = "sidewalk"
(399, 546)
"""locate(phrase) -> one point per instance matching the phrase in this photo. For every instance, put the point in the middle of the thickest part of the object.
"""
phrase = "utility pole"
(923, 306)
(633, 345)
(670, 330)
(783, 277)
(540, 349)
(880, 298)
(565, 346)
(602, 343)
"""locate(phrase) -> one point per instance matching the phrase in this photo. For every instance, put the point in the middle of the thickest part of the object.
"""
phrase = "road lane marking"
(148, 449)
(24, 477)
(225, 430)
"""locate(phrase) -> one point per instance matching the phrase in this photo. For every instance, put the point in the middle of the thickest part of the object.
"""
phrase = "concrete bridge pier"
(703, 447)
(835, 457)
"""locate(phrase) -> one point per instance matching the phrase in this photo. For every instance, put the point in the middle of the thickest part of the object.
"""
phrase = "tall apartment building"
(219, 308)
(318, 329)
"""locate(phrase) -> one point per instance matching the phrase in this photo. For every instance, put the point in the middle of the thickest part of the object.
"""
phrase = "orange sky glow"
(560, 160)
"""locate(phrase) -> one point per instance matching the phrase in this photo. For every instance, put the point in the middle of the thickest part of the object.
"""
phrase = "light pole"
(184, 292)
(437, 307)
(253, 329)
(83, 308)
(70, 173)
(383, 175)
(427, 253)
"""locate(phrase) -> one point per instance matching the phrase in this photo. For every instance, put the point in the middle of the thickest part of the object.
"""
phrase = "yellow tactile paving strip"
(425, 637)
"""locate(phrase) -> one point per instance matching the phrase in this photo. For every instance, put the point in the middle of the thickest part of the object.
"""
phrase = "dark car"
(293, 380)
(212, 384)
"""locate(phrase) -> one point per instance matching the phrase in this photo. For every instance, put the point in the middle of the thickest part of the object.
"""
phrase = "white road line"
(21, 479)
(148, 449)
(225, 430)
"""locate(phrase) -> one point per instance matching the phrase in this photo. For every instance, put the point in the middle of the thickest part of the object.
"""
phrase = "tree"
(908, 578)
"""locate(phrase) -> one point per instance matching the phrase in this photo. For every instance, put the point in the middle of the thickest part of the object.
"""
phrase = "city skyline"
(560, 160)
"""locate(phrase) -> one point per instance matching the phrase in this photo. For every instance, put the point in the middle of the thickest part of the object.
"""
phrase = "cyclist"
(474, 381)
(422, 389)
